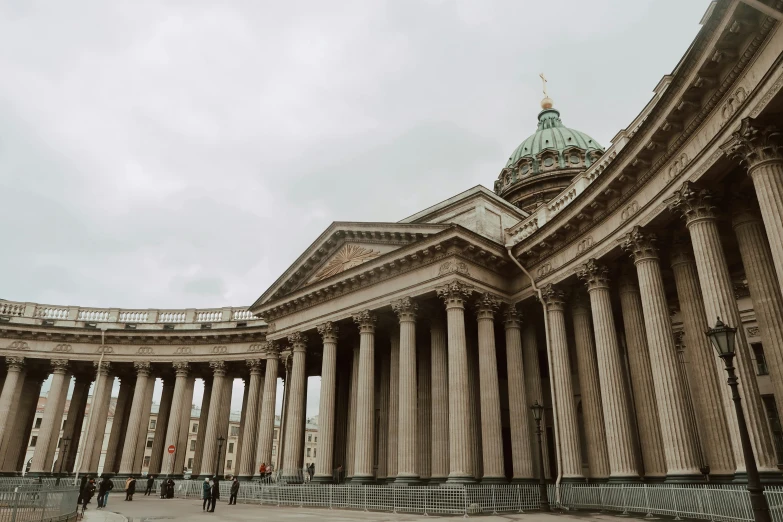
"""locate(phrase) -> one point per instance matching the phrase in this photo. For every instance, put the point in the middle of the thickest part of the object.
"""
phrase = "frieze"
(543, 270)
(219, 349)
(63, 348)
(678, 166)
(629, 211)
(255, 347)
(18, 345)
(105, 349)
(584, 245)
(183, 350)
(454, 266)
(764, 101)
(146, 350)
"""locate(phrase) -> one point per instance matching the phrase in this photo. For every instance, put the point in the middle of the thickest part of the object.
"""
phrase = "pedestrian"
(206, 494)
(130, 488)
(89, 491)
(214, 494)
(104, 487)
(339, 474)
(150, 482)
(82, 485)
(170, 488)
(311, 470)
(234, 490)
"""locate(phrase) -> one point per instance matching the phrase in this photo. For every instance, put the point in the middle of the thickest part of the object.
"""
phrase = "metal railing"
(37, 502)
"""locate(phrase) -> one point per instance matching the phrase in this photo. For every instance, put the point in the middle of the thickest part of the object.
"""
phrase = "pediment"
(342, 247)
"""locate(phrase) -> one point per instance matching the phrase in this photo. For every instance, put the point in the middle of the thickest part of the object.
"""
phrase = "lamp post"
(543, 504)
(722, 337)
(62, 457)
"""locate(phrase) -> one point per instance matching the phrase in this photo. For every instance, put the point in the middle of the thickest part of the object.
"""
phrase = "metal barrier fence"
(37, 502)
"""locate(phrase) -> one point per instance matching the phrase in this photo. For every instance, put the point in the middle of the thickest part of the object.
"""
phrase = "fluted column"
(75, 419)
(135, 419)
(242, 424)
(163, 428)
(440, 402)
(119, 424)
(424, 405)
(648, 426)
(474, 401)
(326, 408)
(52, 418)
(144, 422)
(93, 442)
(266, 426)
(394, 405)
(764, 292)
(184, 427)
(760, 149)
(619, 435)
(294, 436)
(519, 418)
(247, 465)
(698, 209)
(208, 459)
(491, 426)
(203, 420)
(9, 399)
(454, 296)
(534, 393)
(565, 410)
(17, 451)
(365, 399)
(682, 462)
(590, 386)
(383, 424)
(174, 419)
(407, 472)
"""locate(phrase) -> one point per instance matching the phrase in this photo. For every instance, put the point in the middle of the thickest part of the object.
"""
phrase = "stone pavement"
(144, 509)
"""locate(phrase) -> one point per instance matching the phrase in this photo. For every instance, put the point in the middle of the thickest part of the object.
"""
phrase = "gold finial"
(546, 103)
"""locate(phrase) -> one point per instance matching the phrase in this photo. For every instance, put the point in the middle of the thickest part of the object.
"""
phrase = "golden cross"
(543, 79)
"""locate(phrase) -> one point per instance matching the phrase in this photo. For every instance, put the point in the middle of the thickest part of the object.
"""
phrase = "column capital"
(405, 309)
(59, 366)
(366, 321)
(681, 251)
(181, 368)
(692, 202)
(271, 350)
(486, 305)
(627, 284)
(512, 317)
(744, 212)
(594, 274)
(15, 364)
(298, 341)
(753, 144)
(143, 368)
(554, 297)
(454, 294)
(640, 244)
(218, 368)
(102, 368)
(255, 366)
(328, 331)
(580, 303)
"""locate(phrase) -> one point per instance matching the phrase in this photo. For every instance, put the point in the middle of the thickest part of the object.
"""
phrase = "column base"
(654, 479)
(522, 480)
(390, 480)
(435, 481)
(684, 479)
(407, 480)
(632, 479)
(178, 476)
(493, 480)
(322, 479)
(362, 480)
(768, 478)
(573, 480)
(36, 474)
(459, 480)
(721, 479)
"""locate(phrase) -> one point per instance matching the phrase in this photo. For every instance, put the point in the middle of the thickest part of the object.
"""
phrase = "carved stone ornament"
(142, 368)
(753, 331)
(554, 298)
(486, 305)
(640, 244)
(454, 267)
(366, 321)
(14, 364)
(298, 340)
(455, 293)
(405, 309)
(183, 350)
(146, 350)
(218, 368)
(271, 350)
(59, 365)
(254, 365)
(102, 368)
(63, 348)
(753, 145)
(255, 348)
(594, 274)
(105, 349)
(692, 202)
(220, 350)
(347, 257)
(181, 368)
(328, 331)
(18, 345)
(512, 317)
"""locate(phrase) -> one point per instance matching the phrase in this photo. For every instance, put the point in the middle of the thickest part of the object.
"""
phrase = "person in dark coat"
(131, 488)
(214, 494)
(82, 483)
(234, 491)
(150, 482)
(88, 492)
(206, 494)
(104, 487)
(170, 489)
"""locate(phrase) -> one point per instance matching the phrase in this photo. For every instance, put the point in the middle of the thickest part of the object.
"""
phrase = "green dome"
(553, 135)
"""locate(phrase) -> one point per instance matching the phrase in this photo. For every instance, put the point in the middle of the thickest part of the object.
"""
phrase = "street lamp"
(63, 457)
(538, 413)
(722, 337)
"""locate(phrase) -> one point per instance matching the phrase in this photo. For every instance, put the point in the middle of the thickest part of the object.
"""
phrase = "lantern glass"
(538, 411)
(722, 338)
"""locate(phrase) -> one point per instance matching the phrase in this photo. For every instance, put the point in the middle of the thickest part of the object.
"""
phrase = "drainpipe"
(558, 449)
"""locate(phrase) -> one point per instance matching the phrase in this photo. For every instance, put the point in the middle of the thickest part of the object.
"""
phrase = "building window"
(190, 463)
(309, 438)
(229, 463)
(153, 423)
(234, 431)
(761, 361)
(33, 441)
(274, 451)
(195, 428)
(315, 439)
(38, 422)
(774, 423)
(147, 461)
(314, 452)
(149, 443)
(230, 448)
(275, 435)
(193, 445)
(308, 452)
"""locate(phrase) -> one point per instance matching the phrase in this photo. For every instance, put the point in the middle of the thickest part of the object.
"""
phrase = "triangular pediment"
(343, 246)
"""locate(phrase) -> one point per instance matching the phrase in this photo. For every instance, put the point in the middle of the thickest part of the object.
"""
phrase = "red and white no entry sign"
(172, 448)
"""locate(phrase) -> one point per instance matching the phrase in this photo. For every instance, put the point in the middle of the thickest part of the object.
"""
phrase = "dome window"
(573, 158)
(524, 169)
(549, 161)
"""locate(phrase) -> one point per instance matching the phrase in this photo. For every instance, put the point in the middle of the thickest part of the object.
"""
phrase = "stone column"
(9, 398)
(534, 393)
(93, 442)
(760, 149)
(54, 440)
(474, 401)
(247, 465)
(52, 418)
(326, 408)
(208, 459)
(764, 290)
(383, 425)
(224, 417)
(491, 426)
(440, 402)
(119, 424)
(407, 472)
(563, 388)
(17, 450)
(294, 436)
(519, 417)
(619, 435)
(242, 424)
(162, 429)
(174, 420)
(75, 418)
(682, 462)
(394, 404)
(266, 426)
(365, 399)
(649, 430)
(144, 422)
(590, 386)
(454, 295)
(698, 209)
(184, 428)
(711, 395)
(424, 405)
(203, 420)
(136, 414)
(341, 417)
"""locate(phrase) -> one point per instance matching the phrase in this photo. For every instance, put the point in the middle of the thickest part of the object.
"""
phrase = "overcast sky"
(168, 154)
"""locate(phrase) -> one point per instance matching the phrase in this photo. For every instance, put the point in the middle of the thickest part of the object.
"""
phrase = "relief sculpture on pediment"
(347, 257)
